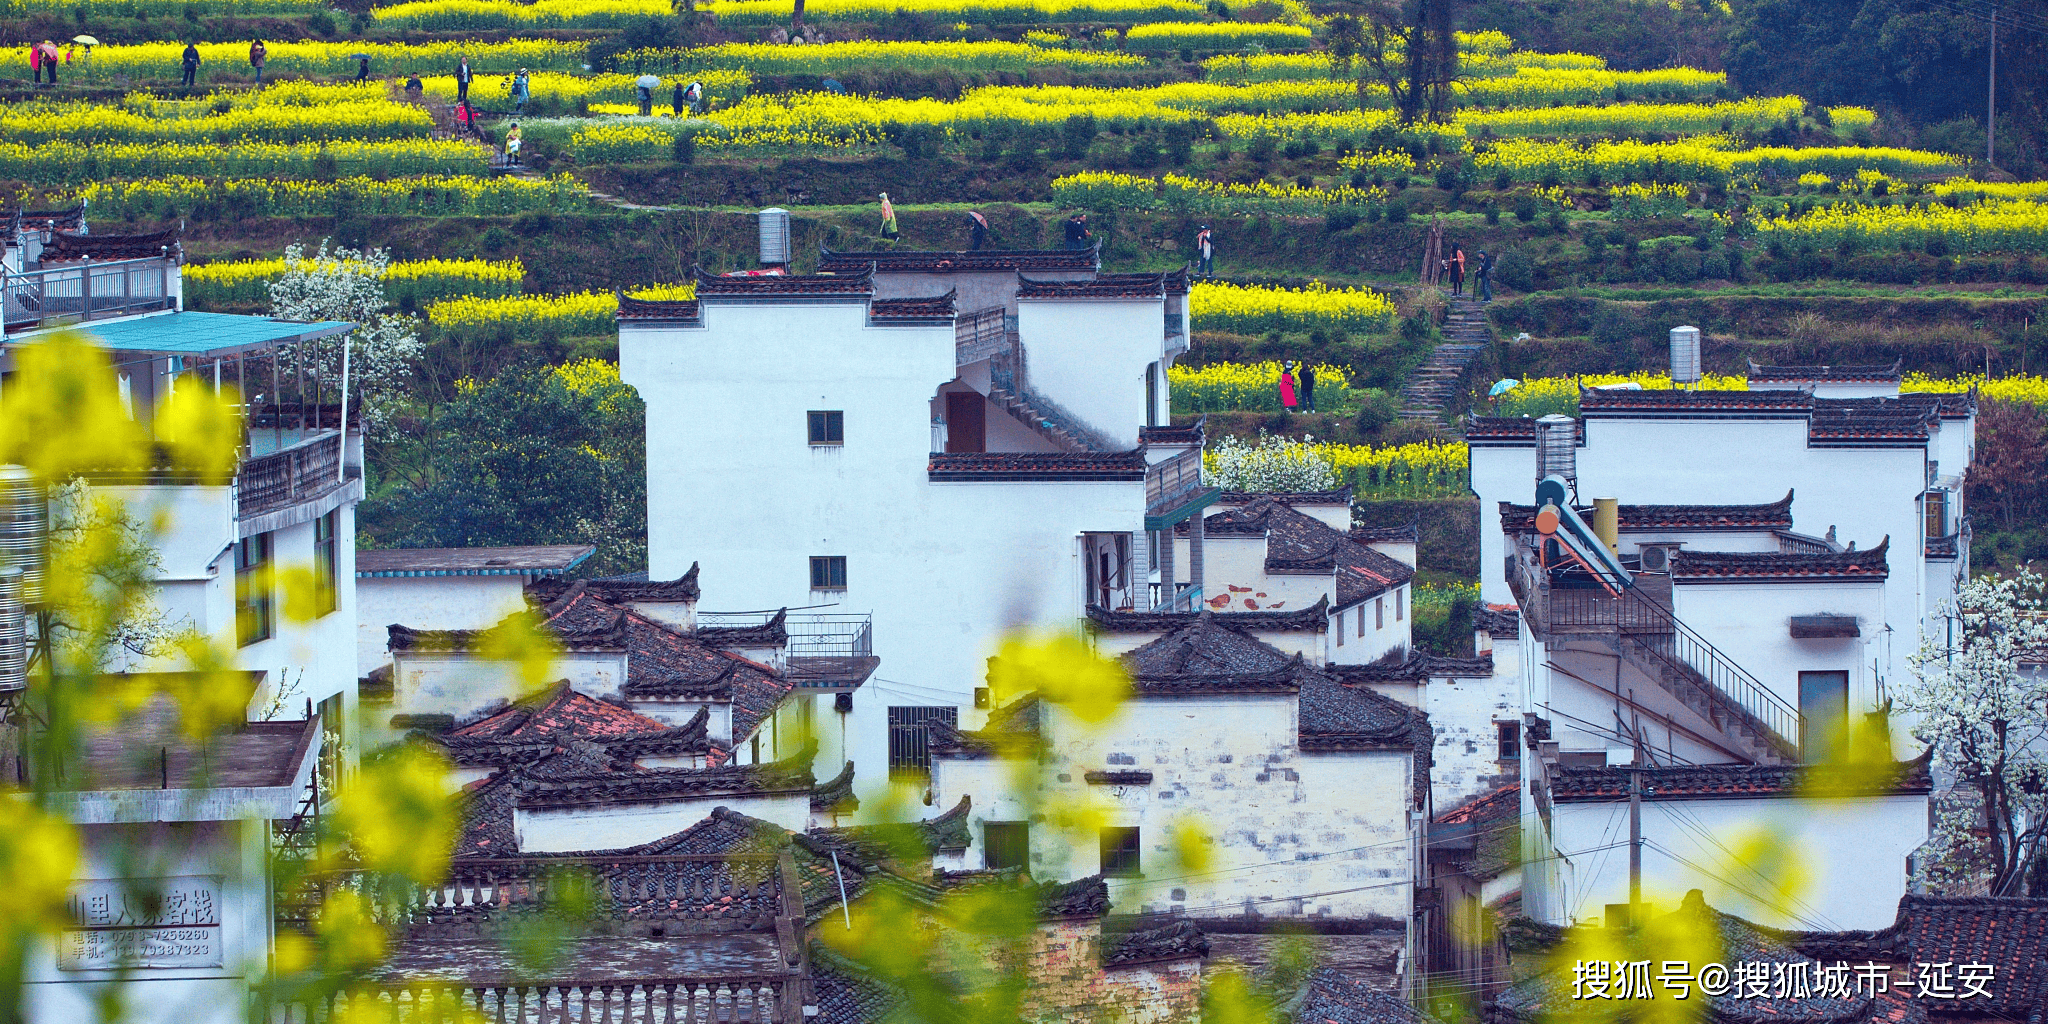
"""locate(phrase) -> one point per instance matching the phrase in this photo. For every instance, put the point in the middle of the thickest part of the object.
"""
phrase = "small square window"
(828, 572)
(828, 427)
(1005, 844)
(1510, 734)
(1120, 852)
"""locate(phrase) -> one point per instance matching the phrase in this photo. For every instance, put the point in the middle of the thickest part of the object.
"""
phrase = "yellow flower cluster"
(682, 292)
(1634, 118)
(1107, 190)
(1247, 387)
(2002, 225)
(101, 9)
(1639, 201)
(1220, 35)
(1705, 160)
(1268, 67)
(1424, 469)
(827, 58)
(1385, 161)
(88, 123)
(163, 61)
(555, 89)
(62, 162)
(992, 12)
(1969, 191)
(470, 15)
(528, 316)
(208, 285)
(620, 144)
(1252, 309)
(174, 196)
(1333, 126)
(2016, 387)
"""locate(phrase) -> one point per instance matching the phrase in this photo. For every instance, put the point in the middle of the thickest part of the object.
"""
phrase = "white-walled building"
(446, 588)
(1314, 794)
(1784, 554)
(959, 444)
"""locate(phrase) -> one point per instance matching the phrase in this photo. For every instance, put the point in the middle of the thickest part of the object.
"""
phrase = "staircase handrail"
(1722, 673)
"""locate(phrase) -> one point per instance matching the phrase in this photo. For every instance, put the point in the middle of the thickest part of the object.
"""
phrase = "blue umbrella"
(1502, 387)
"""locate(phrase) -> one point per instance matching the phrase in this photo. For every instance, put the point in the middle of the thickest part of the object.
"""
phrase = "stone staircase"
(1434, 384)
(1015, 397)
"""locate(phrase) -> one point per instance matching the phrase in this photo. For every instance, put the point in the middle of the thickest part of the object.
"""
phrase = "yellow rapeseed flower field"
(1252, 309)
(207, 285)
(469, 15)
(1994, 225)
(170, 197)
(993, 12)
(161, 62)
(1249, 387)
(888, 55)
(1426, 469)
(61, 162)
(1705, 160)
(2016, 387)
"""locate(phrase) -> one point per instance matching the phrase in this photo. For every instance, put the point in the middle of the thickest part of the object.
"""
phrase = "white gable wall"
(428, 602)
(614, 826)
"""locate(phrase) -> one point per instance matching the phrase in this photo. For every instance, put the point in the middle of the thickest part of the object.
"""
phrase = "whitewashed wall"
(1853, 850)
(428, 602)
(460, 684)
(1281, 823)
(1751, 623)
(1387, 624)
(1089, 356)
(615, 826)
(1463, 713)
(944, 568)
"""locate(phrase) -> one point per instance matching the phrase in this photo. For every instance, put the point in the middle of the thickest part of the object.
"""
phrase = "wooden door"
(966, 423)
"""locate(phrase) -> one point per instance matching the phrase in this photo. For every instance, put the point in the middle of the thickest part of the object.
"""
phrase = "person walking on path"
(687, 98)
(50, 58)
(889, 219)
(1457, 270)
(1288, 400)
(412, 86)
(1308, 385)
(1485, 277)
(646, 84)
(259, 54)
(1077, 231)
(512, 145)
(462, 77)
(191, 66)
(522, 90)
(977, 229)
(1205, 252)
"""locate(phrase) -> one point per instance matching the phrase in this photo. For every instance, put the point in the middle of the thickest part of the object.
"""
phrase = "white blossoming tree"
(1275, 463)
(1986, 716)
(348, 284)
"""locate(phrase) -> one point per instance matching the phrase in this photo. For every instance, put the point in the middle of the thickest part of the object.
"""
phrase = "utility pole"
(1635, 835)
(1991, 103)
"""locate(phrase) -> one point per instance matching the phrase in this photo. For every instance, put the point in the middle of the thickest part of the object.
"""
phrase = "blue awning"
(211, 335)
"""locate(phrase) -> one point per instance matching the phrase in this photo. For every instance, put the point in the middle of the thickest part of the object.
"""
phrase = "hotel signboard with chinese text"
(121, 923)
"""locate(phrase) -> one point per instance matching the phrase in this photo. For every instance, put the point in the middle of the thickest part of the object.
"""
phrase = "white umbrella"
(648, 82)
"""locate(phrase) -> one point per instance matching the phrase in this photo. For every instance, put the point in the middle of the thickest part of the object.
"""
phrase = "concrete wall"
(1280, 823)
(428, 602)
(1374, 628)
(1086, 356)
(460, 684)
(1853, 851)
(1751, 623)
(233, 851)
(944, 568)
(1463, 713)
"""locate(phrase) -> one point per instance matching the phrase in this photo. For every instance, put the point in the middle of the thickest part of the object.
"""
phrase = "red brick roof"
(1707, 565)
(1495, 804)
(1006, 466)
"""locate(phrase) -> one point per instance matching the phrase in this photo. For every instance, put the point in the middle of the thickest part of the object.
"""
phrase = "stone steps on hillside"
(1432, 386)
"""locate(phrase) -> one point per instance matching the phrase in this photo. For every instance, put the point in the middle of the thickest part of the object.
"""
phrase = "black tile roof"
(936, 309)
(1209, 655)
(1776, 515)
(1332, 998)
(947, 832)
(1827, 374)
(1297, 542)
(1082, 897)
(1506, 431)
(499, 561)
(594, 635)
(614, 591)
(773, 633)
(726, 831)
(847, 993)
(836, 793)
(1604, 401)
(1338, 496)
(2010, 933)
(967, 467)
(1011, 731)
(583, 788)
(979, 261)
(1104, 286)
(1418, 666)
(65, 247)
(1186, 433)
(1314, 618)
(1335, 716)
(1409, 534)
(1750, 565)
(1179, 940)
(855, 284)
(687, 311)
(1506, 621)
(1603, 783)
(1945, 549)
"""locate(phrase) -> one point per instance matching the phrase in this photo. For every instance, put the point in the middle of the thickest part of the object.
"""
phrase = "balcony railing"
(699, 1000)
(1167, 483)
(981, 334)
(290, 475)
(830, 636)
(72, 292)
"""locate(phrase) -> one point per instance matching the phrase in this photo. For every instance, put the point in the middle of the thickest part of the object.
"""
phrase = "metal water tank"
(1685, 355)
(1557, 448)
(774, 237)
(23, 509)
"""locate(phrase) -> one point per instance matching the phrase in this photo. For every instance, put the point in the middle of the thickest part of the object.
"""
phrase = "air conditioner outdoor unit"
(1656, 559)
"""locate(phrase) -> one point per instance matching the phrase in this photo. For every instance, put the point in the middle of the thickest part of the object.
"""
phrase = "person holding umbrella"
(647, 84)
(362, 67)
(1287, 393)
(191, 62)
(1502, 387)
(977, 229)
(50, 59)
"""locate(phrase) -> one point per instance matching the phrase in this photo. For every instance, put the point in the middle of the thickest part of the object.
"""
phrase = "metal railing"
(86, 290)
(830, 636)
(695, 1000)
(981, 334)
(1188, 599)
(1635, 621)
(293, 474)
(1166, 483)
